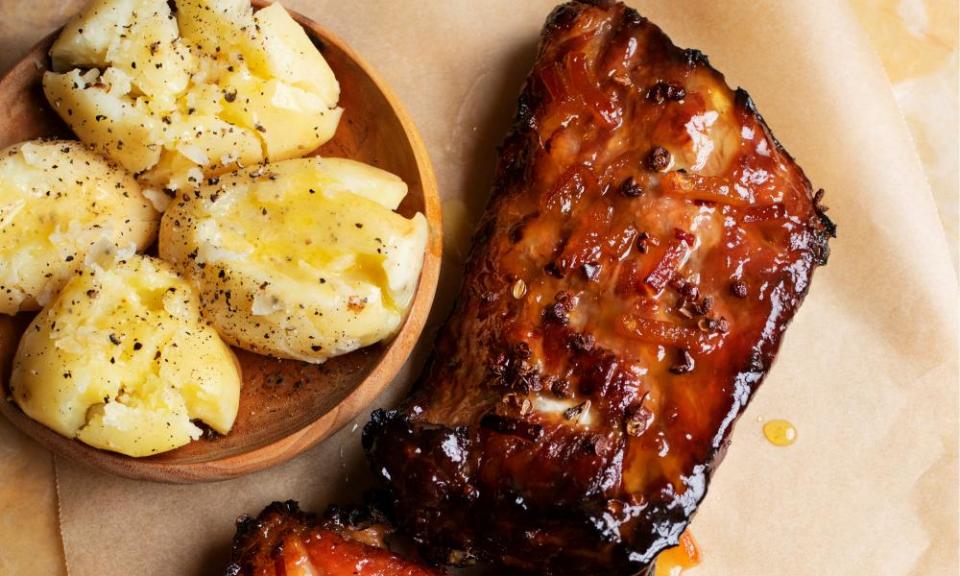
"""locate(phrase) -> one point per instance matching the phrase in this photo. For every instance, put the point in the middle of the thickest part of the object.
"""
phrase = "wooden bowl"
(285, 406)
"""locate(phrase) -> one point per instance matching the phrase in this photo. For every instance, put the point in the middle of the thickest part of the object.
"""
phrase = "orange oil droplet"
(674, 561)
(780, 432)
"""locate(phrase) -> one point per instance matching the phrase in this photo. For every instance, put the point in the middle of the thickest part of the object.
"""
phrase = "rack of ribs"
(645, 246)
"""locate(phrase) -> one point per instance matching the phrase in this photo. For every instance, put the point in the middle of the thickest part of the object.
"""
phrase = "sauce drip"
(676, 560)
(780, 432)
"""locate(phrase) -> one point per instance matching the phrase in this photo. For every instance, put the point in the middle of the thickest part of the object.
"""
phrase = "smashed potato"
(180, 96)
(301, 259)
(122, 361)
(63, 207)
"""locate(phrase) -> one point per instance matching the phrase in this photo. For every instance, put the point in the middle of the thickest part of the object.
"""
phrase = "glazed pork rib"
(647, 242)
(285, 541)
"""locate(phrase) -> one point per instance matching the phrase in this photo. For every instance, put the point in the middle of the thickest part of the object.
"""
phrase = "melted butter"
(676, 560)
(780, 432)
(301, 227)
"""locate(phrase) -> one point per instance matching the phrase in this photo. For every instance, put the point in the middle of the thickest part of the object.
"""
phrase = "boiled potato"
(63, 207)
(180, 97)
(121, 360)
(291, 122)
(216, 27)
(290, 56)
(136, 37)
(301, 259)
(271, 42)
(115, 124)
(340, 175)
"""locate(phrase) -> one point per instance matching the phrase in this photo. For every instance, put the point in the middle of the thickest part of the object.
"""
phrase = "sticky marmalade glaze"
(646, 244)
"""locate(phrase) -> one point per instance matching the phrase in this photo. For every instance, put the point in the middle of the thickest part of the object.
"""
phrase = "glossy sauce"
(675, 561)
(780, 432)
(646, 243)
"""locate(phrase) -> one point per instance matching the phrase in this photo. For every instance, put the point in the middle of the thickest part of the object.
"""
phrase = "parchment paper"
(868, 372)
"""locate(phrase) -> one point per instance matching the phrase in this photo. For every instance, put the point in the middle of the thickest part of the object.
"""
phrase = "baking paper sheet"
(868, 371)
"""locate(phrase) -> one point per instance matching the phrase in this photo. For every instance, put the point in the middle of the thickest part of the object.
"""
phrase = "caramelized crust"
(283, 541)
(647, 242)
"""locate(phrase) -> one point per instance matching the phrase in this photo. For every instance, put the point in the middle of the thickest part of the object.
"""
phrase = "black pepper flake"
(690, 305)
(663, 91)
(521, 351)
(553, 269)
(574, 412)
(638, 421)
(706, 304)
(685, 363)
(630, 188)
(316, 348)
(739, 289)
(645, 241)
(658, 159)
(358, 225)
(688, 290)
(561, 388)
(114, 340)
(593, 444)
(557, 313)
(69, 258)
(581, 342)
(714, 325)
(137, 346)
(230, 95)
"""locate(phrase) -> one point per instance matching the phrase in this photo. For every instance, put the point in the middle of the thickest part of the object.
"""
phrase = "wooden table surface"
(916, 40)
